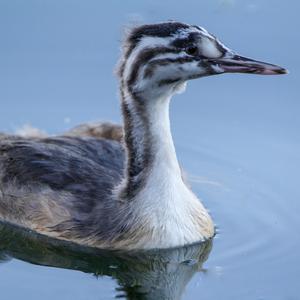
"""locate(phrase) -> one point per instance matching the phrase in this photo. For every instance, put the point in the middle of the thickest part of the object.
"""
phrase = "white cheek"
(170, 71)
(192, 69)
(209, 49)
(169, 55)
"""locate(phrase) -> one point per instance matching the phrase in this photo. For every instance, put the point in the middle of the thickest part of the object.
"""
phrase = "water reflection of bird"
(122, 195)
(155, 274)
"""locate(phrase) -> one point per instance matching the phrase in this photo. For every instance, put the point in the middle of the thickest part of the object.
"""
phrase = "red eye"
(192, 50)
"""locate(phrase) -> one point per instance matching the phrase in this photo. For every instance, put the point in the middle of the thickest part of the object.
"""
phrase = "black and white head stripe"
(160, 30)
(149, 47)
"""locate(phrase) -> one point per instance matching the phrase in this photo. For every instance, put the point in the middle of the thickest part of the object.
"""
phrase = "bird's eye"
(193, 50)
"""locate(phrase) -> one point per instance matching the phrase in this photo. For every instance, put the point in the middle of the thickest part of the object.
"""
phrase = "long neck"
(148, 141)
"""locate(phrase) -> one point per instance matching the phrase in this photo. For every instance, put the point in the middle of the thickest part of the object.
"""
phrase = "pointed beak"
(239, 64)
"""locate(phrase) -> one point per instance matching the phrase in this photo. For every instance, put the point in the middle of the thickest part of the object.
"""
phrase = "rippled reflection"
(141, 275)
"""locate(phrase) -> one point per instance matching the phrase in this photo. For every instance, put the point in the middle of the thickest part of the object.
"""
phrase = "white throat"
(167, 208)
(165, 159)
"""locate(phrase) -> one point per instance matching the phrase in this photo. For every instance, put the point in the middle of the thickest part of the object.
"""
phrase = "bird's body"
(114, 188)
(52, 185)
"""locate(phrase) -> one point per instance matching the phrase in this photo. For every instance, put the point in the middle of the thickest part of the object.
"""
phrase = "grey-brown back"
(60, 180)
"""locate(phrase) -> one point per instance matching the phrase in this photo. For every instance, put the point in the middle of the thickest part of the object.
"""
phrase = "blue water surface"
(237, 136)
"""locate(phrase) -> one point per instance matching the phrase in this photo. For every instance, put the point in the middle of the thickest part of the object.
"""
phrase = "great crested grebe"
(131, 194)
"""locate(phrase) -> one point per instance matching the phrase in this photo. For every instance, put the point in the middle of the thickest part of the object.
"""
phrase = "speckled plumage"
(73, 175)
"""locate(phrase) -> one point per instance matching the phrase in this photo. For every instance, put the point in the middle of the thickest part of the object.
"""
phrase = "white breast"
(169, 213)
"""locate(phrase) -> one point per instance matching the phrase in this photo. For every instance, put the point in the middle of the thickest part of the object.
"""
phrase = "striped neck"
(148, 142)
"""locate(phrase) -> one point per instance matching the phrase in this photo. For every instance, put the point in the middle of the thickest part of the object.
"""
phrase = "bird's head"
(159, 58)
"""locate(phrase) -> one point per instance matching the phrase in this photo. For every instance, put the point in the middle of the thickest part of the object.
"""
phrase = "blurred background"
(57, 59)
(236, 135)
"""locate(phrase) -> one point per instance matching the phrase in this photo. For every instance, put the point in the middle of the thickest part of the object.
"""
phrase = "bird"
(127, 192)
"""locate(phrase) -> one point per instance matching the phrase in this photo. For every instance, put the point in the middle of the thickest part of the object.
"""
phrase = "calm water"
(237, 136)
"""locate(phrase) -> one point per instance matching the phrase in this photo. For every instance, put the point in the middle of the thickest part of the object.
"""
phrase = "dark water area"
(237, 137)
